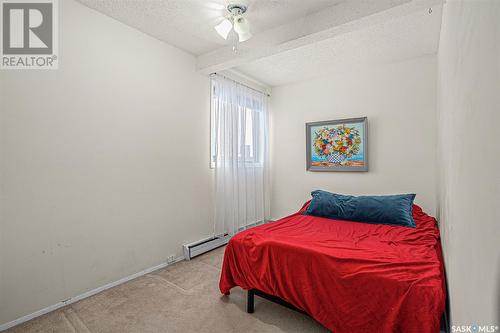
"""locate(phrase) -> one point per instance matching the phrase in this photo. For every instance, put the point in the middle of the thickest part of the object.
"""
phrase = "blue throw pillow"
(377, 209)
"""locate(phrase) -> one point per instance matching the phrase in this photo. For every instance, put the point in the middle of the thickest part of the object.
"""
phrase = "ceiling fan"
(235, 20)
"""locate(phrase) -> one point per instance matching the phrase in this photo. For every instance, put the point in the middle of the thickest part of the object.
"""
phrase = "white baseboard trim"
(89, 293)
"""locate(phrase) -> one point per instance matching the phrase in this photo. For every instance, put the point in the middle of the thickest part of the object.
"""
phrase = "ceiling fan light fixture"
(241, 24)
(224, 28)
(244, 36)
(235, 21)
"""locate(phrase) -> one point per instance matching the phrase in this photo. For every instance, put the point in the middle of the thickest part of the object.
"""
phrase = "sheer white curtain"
(239, 155)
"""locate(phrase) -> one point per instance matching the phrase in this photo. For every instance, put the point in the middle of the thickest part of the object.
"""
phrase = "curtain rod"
(247, 86)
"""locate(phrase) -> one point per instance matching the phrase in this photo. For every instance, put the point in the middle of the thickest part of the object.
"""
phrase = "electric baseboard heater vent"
(195, 249)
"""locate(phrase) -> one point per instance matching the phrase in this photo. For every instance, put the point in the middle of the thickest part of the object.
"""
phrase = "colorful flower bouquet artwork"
(337, 145)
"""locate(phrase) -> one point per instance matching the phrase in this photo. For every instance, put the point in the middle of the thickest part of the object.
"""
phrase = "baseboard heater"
(194, 249)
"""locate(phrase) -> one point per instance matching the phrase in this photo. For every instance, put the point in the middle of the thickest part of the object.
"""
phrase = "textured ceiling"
(187, 24)
(398, 39)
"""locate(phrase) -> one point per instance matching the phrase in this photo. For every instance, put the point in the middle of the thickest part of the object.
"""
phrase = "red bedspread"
(351, 277)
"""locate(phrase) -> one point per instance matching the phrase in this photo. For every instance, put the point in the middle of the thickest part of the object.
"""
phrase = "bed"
(351, 277)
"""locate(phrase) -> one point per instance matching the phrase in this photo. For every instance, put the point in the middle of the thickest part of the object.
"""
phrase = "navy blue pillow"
(377, 209)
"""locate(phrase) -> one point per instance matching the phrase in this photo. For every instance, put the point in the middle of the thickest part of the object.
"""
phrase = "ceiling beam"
(345, 17)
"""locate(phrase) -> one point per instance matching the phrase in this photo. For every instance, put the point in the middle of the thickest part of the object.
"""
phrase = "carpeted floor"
(183, 297)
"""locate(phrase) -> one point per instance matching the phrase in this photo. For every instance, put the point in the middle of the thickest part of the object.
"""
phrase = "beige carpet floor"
(183, 297)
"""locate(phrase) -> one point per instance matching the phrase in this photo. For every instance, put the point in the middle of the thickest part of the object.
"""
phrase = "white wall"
(104, 162)
(469, 123)
(400, 103)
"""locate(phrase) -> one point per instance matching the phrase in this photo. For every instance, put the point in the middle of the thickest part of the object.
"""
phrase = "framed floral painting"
(337, 145)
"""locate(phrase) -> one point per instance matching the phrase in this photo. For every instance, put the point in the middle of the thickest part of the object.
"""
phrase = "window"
(246, 119)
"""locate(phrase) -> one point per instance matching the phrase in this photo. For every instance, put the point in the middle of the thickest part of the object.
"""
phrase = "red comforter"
(351, 277)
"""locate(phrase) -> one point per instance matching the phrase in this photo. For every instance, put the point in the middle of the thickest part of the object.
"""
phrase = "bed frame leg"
(250, 301)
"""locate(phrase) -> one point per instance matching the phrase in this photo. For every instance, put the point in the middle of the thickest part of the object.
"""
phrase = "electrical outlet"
(170, 259)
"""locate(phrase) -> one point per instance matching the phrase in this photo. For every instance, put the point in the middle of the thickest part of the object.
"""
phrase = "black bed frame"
(275, 299)
(251, 306)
